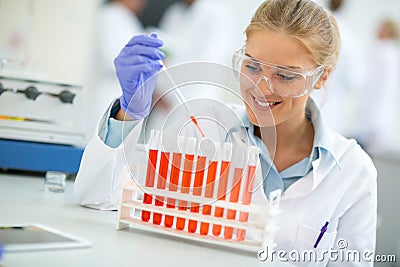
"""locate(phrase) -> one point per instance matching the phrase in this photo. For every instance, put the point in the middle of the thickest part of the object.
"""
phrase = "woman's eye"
(252, 68)
(285, 77)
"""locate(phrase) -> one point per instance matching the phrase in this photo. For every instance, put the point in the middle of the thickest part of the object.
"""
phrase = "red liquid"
(173, 186)
(198, 183)
(185, 187)
(234, 197)
(161, 182)
(246, 199)
(197, 125)
(212, 170)
(150, 174)
(223, 183)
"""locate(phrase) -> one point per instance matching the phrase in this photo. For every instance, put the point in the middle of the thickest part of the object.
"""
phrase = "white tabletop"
(23, 201)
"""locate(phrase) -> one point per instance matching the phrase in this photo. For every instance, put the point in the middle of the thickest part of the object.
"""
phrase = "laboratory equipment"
(190, 149)
(161, 183)
(234, 195)
(31, 92)
(248, 190)
(55, 181)
(198, 184)
(223, 183)
(209, 191)
(246, 225)
(151, 171)
(41, 125)
(173, 185)
(182, 100)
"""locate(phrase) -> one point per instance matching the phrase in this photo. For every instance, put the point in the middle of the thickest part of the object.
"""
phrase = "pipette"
(181, 99)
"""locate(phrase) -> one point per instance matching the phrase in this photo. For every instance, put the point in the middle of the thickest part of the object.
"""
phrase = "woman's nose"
(264, 86)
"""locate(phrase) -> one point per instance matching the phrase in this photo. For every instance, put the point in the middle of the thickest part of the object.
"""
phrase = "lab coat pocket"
(304, 253)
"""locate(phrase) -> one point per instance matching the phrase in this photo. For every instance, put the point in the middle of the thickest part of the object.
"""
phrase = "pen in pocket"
(321, 234)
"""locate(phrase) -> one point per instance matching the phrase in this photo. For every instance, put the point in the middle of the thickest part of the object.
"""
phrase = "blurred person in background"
(191, 29)
(118, 20)
(381, 95)
(173, 16)
(190, 25)
(337, 101)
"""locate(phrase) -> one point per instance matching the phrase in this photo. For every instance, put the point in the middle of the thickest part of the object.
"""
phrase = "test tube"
(248, 188)
(234, 194)
(198, 184)
(209, 191)
(174, 181)
(161, 183)
(223, 183)
(190, 149)
(173, 186)
(151, 170)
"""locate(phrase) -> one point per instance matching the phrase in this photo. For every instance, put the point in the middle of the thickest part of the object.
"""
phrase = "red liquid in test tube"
(223, 183)
(190, 149)
(234, 194)
(209, 191)
(151, 170)
(161, 183)
(248, 188)
(173, 186)
(198, 184)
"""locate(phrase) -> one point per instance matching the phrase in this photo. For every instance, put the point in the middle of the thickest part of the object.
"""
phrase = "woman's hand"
(136, 65)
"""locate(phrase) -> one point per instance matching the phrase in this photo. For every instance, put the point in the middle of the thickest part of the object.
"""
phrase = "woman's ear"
(323, 79)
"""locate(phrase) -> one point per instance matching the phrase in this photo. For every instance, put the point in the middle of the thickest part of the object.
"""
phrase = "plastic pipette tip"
(181, 98)
(197, 125)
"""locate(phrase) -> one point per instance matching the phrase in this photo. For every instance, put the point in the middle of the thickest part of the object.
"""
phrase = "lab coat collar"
(323, 136)
(324, 163)
(321, 168)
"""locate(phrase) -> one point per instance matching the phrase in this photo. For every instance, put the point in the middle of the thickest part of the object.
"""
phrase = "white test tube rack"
(131, 206)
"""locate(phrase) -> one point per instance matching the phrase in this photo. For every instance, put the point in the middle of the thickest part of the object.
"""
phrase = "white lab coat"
(341, 189)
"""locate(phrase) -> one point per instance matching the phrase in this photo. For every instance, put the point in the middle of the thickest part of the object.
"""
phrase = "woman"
(292, 47)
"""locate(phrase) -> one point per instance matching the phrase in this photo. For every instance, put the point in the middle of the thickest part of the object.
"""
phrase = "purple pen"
(323, 230)
(1, 251)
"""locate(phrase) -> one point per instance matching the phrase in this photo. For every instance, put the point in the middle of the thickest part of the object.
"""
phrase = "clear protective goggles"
(281, 80)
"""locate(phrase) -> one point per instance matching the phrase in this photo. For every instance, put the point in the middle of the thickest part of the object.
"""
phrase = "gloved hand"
(137, 62)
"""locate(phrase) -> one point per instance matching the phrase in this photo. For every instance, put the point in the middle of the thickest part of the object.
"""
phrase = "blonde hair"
(305, 20)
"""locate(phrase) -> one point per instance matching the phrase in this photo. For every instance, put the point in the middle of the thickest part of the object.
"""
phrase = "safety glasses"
(281, 80)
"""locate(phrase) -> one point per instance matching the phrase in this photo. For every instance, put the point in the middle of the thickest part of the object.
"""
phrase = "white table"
(22, 201)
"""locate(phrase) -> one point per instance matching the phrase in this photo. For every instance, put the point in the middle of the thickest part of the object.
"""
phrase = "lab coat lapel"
(304, 186)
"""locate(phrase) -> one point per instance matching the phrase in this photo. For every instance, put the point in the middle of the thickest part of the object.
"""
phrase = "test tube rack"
(226, 218)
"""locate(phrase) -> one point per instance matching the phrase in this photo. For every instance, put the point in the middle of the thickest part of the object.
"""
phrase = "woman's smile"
(263, 104)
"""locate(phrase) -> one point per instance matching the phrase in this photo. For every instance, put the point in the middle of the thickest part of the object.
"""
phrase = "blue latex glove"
(137, 62)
